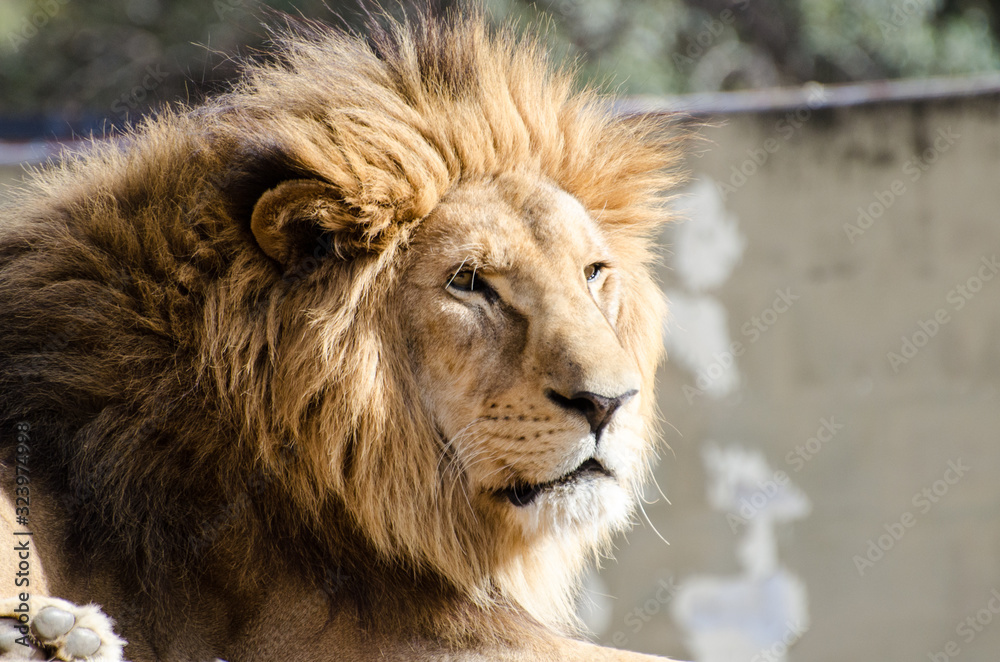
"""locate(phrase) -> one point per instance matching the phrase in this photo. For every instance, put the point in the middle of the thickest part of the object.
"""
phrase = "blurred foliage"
(671, 46)
(116, 59)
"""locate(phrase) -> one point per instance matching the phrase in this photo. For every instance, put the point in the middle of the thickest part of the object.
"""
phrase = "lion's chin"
(588, 498)
(523, 494)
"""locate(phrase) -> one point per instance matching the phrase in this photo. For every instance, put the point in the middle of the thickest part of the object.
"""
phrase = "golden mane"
(260, 405)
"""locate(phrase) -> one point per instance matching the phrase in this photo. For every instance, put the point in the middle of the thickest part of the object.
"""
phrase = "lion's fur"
(195, 408)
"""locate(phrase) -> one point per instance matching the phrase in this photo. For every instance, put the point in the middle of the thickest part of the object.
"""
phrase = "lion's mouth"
(522, 494)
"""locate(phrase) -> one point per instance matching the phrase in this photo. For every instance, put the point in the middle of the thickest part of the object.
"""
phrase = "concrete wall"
(928, 173)
(817, 368)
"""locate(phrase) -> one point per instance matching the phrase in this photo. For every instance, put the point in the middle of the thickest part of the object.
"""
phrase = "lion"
(354, 361)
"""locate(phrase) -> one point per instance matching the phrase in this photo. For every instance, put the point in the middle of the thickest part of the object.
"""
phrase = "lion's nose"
(597, 409)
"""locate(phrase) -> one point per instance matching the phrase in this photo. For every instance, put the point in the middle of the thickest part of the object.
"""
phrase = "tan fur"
(263, 423)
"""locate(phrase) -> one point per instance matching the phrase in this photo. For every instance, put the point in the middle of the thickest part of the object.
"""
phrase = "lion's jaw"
(535, 399)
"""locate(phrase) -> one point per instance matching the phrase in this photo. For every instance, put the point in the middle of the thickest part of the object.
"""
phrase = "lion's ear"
(289, 219)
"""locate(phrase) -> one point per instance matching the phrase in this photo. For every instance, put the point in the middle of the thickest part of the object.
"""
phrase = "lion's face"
(511, 308)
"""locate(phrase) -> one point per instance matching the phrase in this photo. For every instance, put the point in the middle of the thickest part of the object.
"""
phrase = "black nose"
(597, 409)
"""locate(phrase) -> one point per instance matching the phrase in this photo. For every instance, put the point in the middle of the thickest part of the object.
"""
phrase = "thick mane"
(197, 404)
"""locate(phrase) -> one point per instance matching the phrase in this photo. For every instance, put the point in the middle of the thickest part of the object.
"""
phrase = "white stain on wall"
(707, 247)
(756, 615)
(697, 334)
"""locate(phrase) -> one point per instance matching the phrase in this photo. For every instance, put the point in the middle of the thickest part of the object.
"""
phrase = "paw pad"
(52, 623)
(82, 642)
(58, 630)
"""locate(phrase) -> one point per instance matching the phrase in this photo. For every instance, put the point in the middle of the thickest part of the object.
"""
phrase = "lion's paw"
(53, 629)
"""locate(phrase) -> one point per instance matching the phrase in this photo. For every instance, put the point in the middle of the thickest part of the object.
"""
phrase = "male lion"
(354, 362)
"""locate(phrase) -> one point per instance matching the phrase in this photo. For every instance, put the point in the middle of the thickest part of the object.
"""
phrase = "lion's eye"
(465, 281)
(592, 271)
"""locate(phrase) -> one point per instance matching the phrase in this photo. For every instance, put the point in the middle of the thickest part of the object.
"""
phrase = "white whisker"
(658, 535)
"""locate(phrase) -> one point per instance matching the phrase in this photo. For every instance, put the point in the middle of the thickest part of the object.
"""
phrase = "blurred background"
(832, 396)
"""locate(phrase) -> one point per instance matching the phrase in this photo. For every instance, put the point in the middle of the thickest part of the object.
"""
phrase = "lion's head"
(491, 338)
(407, 281)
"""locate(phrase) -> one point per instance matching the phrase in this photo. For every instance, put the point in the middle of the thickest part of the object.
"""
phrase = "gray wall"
(826, 357)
